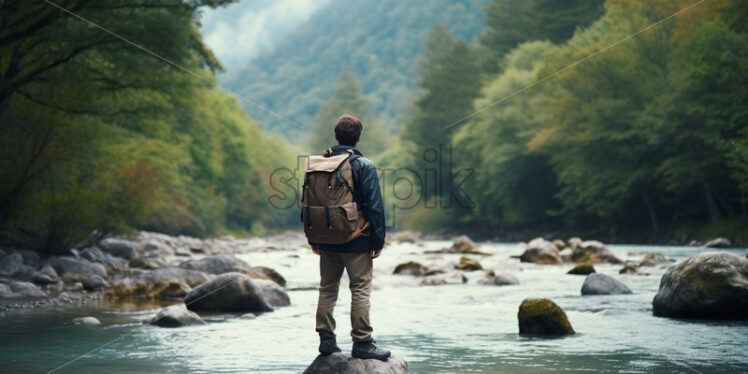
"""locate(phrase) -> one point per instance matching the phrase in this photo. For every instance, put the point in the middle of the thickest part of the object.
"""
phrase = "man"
(355, 256)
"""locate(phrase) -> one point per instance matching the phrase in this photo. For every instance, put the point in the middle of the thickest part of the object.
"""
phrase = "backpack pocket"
(330, 225)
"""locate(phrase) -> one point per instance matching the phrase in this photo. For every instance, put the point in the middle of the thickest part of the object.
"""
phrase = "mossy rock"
(410, 268)
(406, 238)
(468, 264)
(631, 270)
(708, 285)
(542, 317)
(491, 273)
(582, 269)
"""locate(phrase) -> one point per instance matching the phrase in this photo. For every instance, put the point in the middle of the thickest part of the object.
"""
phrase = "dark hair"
(348, 130)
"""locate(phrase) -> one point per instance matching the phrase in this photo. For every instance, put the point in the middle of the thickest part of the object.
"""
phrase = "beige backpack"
(328, 206)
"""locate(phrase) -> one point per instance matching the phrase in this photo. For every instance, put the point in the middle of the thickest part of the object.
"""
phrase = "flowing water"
(465, 328)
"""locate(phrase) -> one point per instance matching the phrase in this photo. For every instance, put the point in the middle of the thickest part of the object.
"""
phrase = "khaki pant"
(359, 267)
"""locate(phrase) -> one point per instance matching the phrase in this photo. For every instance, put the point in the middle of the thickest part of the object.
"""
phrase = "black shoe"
(367, 349)
(327, 344)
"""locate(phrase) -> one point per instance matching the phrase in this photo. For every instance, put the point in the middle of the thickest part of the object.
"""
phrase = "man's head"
(348, 130)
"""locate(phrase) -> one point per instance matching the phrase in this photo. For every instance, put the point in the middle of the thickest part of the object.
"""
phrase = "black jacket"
(369, 197)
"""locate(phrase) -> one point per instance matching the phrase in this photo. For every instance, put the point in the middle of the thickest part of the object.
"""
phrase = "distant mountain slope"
(380, 41)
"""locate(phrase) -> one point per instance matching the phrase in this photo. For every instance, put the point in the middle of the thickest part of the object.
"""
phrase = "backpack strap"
(353, 156)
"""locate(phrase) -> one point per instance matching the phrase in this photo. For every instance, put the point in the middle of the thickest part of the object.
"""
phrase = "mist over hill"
(378, 41)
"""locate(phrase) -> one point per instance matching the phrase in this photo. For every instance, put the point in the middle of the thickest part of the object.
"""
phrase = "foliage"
(348, 99)
(377, 40)
(105, 138)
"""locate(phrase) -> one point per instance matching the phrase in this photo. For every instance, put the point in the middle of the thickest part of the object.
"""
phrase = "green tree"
(449, 79)
(348, 99)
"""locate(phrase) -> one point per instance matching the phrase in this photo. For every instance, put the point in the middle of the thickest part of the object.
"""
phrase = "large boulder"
(500, 279)
(718, 243)
(343, 363)
(653, 259)
(464, 244)
(593, 251)
(709, 285)
(262, 272)
(601, 284)
(75, 269)
(217, 264)
(30, 257)
(120, 248)
(230, 292)
(542, 317)
(17, 289)
(541, 251)
(175, 316)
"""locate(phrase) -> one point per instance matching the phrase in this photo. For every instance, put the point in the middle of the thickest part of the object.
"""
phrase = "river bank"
(451, 320)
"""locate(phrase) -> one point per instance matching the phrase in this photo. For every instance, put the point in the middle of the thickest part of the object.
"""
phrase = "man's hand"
(375, 254)
(315, 250)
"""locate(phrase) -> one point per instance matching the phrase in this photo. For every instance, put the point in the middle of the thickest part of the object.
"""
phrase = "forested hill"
(379, 41)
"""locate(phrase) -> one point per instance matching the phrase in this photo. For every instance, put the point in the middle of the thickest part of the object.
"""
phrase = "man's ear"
(336, 138)
(358, 139)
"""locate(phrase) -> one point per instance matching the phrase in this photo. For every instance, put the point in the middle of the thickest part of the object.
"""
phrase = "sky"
(239, 32)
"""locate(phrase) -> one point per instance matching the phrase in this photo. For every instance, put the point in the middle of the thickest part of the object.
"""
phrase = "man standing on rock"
(343, 217)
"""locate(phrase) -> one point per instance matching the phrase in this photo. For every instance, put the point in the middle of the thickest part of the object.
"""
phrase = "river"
(466, 328)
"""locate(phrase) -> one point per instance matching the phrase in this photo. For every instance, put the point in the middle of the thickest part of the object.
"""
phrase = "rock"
(120, 248)
(718, 243)
(217, 264)
(75, 269)
(112, 264)
(274, 295)
(406, 238)
(652, 259)
(343, 363)
(146, 263)
(542, 317)
(441, 279)
(2, 253)
(248, 316)
(410, 268)
(593, 251)
(164, 283)
(18, 289)
(574, 242)
(559, 244)
(582, 269)
(464, 244)
(601, 284)
(47, 275)
(694, 243)
(566, 254)
(95, 283)
(630, 269)
(12, 266)
(87, 321)
(261, 272)
(541, 251)
(176, 316)
(501, 279)
(709, 285)
(30, 257)
(468, 264)
(230, 292)
(155, 248)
